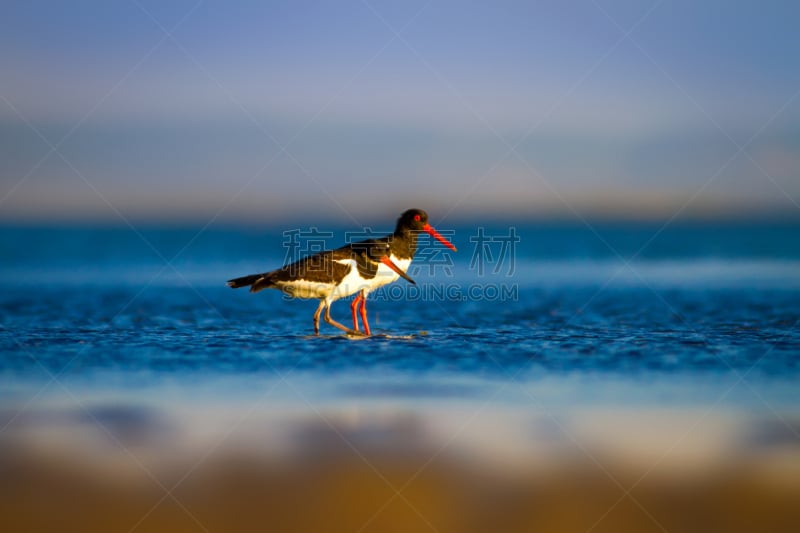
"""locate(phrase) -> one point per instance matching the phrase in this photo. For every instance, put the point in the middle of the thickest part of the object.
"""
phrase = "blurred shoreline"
(456, 469)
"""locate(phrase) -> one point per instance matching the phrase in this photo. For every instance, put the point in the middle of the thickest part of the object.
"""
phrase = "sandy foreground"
(388, 468)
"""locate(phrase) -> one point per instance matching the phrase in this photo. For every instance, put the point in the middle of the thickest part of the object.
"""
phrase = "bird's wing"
(322, 267)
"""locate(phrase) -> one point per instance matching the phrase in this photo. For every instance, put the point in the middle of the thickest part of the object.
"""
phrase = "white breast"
(352, 282)
(386, 275)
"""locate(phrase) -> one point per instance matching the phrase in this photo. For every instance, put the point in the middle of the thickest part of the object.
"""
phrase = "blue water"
(699, 309)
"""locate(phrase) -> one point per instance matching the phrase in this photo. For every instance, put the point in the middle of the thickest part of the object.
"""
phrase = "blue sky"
(182, 110)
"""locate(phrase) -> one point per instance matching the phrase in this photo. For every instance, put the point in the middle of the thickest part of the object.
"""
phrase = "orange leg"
(353, 307)
(363, 310)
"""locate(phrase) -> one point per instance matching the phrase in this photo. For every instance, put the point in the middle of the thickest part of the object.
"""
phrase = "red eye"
(416, 217)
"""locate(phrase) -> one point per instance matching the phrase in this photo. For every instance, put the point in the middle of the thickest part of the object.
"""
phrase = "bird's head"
(416, 220)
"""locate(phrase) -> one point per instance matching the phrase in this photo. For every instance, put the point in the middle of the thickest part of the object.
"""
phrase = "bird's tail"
(256, 282)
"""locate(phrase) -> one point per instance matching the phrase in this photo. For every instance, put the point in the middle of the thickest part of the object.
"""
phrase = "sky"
(244, 111)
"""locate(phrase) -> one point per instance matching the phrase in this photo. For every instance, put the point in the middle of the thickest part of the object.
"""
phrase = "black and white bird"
(359, 267)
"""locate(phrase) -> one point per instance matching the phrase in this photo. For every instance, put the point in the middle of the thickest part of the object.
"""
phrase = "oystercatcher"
(358, 267)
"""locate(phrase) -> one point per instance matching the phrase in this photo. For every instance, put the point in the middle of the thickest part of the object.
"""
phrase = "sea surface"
(610, 306)
(554, 376)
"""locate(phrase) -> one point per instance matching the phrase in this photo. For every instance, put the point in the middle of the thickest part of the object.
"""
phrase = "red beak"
(388, 262)
(429, 229)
